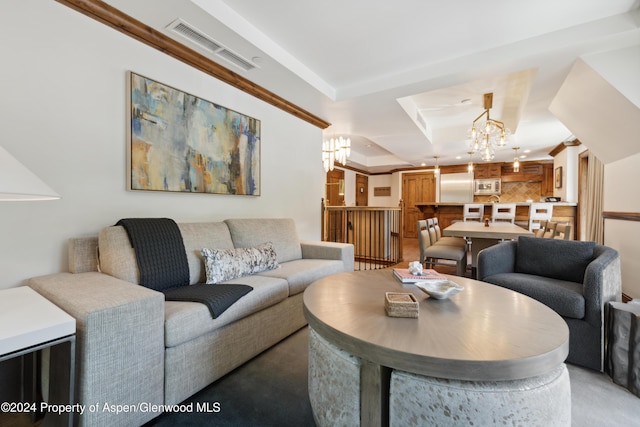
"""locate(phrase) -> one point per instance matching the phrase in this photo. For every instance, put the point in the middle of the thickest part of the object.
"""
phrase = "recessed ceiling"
(376, 70)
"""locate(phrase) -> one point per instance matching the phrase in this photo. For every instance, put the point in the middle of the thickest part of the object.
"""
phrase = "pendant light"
(516, 162)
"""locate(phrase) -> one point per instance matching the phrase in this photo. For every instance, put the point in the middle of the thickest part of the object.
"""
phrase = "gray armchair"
(576, 279)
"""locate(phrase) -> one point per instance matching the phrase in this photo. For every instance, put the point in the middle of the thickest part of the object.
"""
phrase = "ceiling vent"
(423, 125)
(421, 121)
(236, 59)
(196, 36)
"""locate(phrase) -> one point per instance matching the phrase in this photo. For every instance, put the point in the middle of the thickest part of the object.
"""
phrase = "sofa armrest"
(602, 283)
(496, 259)
(119, 341)
(329, 250)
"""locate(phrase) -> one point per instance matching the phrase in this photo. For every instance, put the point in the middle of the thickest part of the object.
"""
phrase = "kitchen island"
(449, 212)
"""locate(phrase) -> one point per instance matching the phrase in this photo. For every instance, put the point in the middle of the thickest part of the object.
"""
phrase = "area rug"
(271, 390)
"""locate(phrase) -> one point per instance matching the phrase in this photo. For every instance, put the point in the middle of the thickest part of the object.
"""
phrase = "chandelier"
(488, 134)
(335, 150)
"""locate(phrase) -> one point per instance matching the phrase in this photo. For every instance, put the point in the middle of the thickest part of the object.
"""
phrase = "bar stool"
(473, 212)
(504, 212)
(539, 212)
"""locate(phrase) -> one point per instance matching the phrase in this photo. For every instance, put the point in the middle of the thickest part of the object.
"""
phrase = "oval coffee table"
(462, 357)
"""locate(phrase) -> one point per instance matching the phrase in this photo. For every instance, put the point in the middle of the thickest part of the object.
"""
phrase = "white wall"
(63, 116)
(382, 181)
(621, 194)
(349, 187)
(568, 160)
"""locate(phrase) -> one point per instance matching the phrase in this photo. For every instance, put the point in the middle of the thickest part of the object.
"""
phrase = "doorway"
(362, 190)
(335, 188)
(419, 187)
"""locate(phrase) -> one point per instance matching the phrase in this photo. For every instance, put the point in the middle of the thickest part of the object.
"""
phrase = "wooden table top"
(484, 332)
(495, 230)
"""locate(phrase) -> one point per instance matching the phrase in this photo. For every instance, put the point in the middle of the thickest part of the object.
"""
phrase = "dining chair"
(539, 212)
(540, 231)
(460, 242)
(504, 212)
(473, 212)
(549, 229)
(432, 255)
(562, 232)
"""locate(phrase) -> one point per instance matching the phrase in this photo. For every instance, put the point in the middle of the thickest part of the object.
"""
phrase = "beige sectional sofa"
(136, 350)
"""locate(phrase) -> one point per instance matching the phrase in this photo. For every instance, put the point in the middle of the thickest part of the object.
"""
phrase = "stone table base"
(539, 401)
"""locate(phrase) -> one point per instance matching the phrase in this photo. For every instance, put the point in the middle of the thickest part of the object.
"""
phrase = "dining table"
(485, 234)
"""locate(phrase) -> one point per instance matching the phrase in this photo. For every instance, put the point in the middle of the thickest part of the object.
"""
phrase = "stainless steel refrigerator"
(456, 187)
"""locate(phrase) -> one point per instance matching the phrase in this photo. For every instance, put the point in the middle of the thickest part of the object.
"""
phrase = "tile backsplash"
(516, 192)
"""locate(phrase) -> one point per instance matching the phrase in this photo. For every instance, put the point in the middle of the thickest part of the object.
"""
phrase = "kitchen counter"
(489, 203)
(450, 212)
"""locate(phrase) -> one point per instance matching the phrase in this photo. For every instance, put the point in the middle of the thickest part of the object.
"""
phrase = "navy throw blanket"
(162, 259)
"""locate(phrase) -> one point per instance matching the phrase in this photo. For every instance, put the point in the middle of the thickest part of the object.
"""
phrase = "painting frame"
(558, 177)
(182, 143)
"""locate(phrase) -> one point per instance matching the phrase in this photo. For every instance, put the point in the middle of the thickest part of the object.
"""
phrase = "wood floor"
(411, 252)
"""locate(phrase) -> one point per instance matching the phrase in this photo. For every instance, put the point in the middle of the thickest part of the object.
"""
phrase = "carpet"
(271, 390)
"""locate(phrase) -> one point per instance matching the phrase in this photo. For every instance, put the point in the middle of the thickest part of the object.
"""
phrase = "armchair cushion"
(563, 297)
(564, 260)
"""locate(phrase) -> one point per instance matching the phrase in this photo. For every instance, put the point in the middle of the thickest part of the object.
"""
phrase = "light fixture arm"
(492, 135)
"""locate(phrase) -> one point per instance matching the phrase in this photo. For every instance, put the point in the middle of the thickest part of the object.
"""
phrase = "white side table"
(29, 322)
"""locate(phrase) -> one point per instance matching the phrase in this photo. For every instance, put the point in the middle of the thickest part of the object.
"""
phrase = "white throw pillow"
(227, 264)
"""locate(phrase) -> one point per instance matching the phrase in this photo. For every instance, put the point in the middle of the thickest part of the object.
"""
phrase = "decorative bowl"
(439, 289)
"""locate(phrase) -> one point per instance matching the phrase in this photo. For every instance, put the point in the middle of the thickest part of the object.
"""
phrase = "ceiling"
(405, 79)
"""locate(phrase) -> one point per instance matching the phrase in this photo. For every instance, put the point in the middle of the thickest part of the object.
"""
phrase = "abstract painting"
(183, 143)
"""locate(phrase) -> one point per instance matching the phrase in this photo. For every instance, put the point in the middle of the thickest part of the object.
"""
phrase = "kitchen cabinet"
(527, 172)
(546, 189)
(487, 170)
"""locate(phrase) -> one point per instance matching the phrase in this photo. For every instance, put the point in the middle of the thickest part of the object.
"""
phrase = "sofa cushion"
(302, 272)
(118, 259)
(563, 297)
(217, 298)
(282, 232)
(185, 321)
(227, 264)
(558, 259)
(160, 255)
(203, 235)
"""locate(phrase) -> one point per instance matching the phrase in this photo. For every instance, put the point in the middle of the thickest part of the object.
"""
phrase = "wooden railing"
(375, 232)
